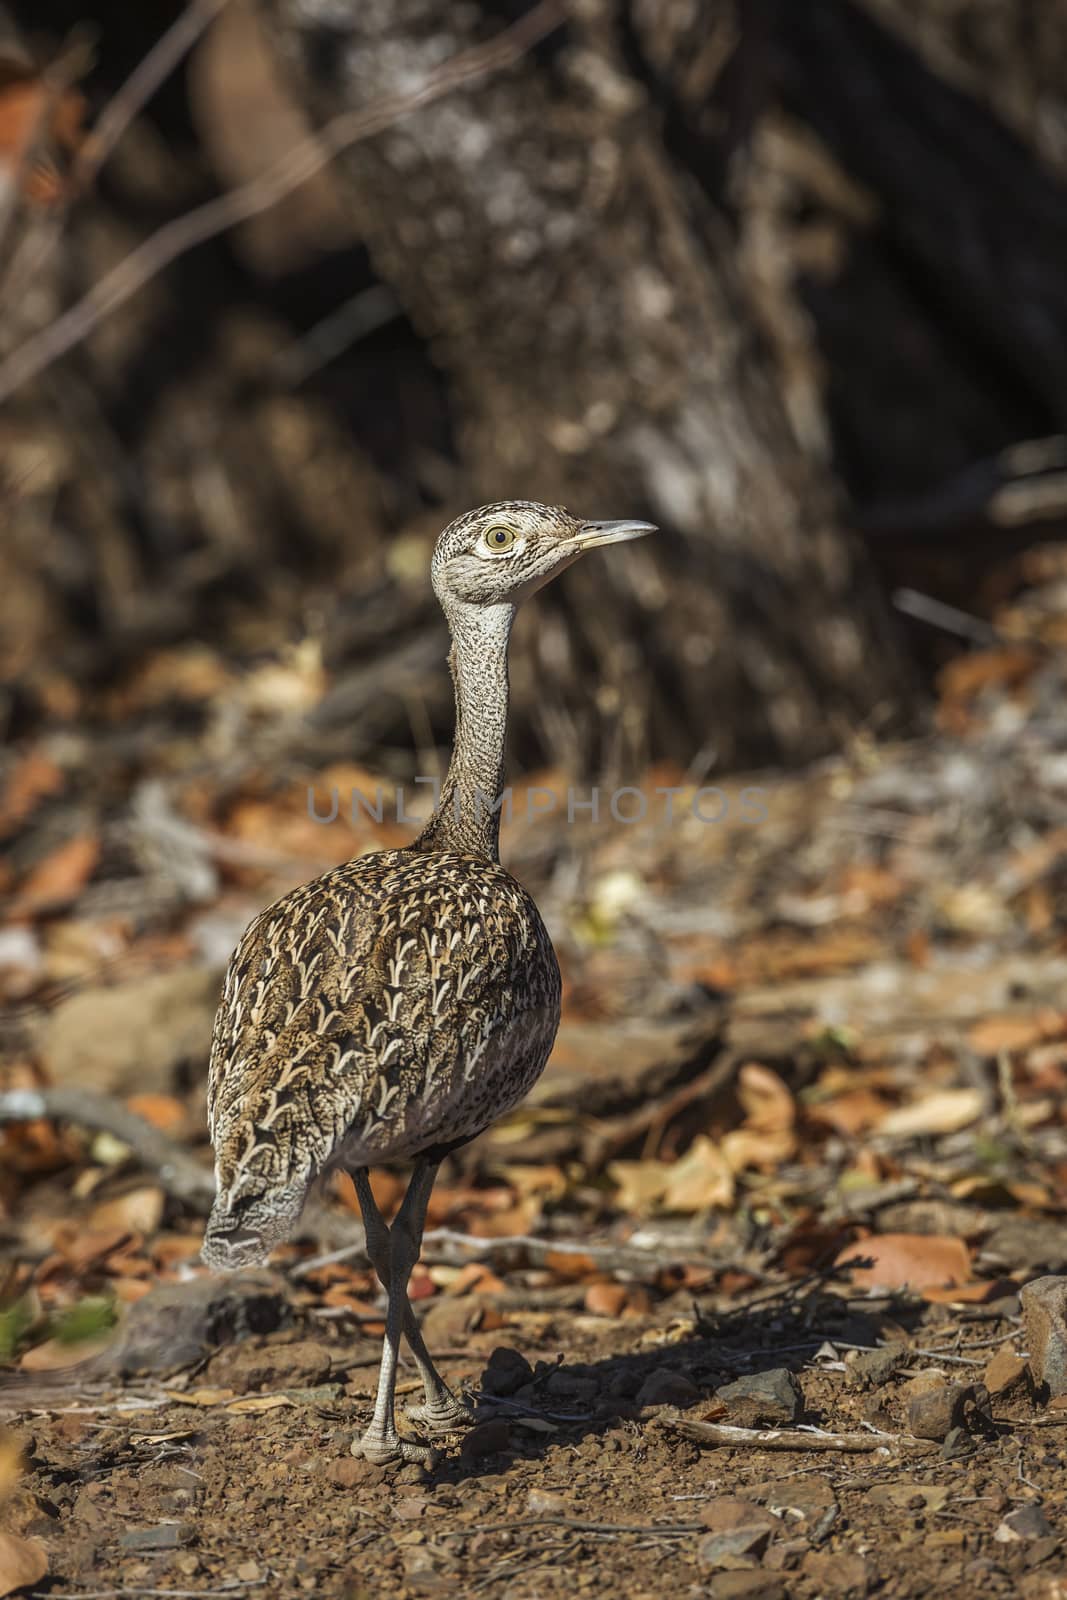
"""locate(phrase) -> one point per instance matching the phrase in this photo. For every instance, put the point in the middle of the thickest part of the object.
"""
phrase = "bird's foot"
(386, 1449)
(436, 1417)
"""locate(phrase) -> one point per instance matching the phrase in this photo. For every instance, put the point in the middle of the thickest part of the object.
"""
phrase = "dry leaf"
(765, 1100)
(136, 1211)
(199, 1397)
(908, 1261)
(995, 1035)
(23, 1562)
(60, 877)
(701, 1179)
(944, 1111)
(55, 1354)
(261, 1402)
(640, 1184)
(163, 1111)
(605, 1299)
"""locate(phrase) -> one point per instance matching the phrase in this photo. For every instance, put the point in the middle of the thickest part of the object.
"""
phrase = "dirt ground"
(574, 1484)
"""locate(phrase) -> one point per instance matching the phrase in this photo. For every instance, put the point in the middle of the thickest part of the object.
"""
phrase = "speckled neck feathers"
(467, 817)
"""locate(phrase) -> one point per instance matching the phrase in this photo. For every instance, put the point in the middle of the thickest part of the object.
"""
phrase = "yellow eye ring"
(499, 537)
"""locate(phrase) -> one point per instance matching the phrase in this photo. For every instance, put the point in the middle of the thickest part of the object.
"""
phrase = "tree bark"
(580, 291)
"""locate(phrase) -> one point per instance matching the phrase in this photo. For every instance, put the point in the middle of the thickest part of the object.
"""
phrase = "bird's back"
(396, 1004)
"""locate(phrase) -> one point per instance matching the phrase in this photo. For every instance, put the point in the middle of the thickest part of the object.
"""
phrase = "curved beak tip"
(594, 534)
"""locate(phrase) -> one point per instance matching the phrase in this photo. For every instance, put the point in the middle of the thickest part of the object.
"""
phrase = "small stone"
(958, 1442)
(1006, 1373)
(248, 1572)
(762, 1398)
(934, 1411)
(729, 1512)
(351, 1471)
(506, 1371)
(487, 1439)
(873, 1367)
(735, 1549)
(606, 1299)
(1025, 1522)
(746, 1586)
(785, 1554)
(837, 1574)
(564, 1385)
(666, 1388)
(165, 1536)
(1044, 1310)
(544, 1503)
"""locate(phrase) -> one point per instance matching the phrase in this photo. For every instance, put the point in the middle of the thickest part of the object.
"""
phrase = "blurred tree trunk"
(580, 291)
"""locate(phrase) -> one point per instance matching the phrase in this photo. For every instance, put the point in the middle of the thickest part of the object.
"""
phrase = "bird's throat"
(467, 816)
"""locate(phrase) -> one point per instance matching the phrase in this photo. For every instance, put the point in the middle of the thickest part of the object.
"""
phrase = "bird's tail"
(243, 1230)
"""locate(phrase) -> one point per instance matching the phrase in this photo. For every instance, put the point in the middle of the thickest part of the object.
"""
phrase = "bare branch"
(175, 238)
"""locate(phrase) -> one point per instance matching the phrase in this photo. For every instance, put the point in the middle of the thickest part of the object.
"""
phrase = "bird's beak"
(592, 535)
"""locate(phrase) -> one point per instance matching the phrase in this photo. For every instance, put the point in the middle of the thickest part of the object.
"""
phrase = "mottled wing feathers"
(402, 1001)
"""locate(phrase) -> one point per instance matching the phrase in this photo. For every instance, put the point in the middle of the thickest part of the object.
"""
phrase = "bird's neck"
(467, 816)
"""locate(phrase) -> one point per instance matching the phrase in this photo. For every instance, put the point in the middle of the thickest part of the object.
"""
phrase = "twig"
(151, 71)
(661, 1530)
(306, 158)
(623, 1258)
(717, 1435)
(182, 1177)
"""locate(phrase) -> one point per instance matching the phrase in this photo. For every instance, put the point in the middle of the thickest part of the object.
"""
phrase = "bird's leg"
(441, 1412)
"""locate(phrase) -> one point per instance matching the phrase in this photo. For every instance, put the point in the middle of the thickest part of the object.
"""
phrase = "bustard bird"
(393, 1008)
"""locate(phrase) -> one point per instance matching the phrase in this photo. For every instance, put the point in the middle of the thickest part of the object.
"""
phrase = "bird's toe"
(445, 1416)
(389, 1449)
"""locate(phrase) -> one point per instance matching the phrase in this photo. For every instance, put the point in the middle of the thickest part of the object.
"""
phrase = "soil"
(577, 1487)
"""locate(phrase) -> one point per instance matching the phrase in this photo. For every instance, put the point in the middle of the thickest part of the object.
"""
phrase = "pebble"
(666, 1388)
(869, 1368)
(762, 1398)
(839, 1574)
(507, 1370)
(934, 1411)
(734, 1549)
(564, 1385)
(1025, 1522)
(746, 1586)
(351, 1471)
(165, 1536)
(487, 1439)
(1044, 1310)
(1006, 1373)
(544, 1503)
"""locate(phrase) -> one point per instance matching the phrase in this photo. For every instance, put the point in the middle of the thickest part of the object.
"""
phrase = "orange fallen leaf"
(137, 1211)
(23, 1562)
(944, 1111)
(199, 1397)
(977, 1293)
(605, 1299)
(163, 1111)
(702, 1178)
(35, 778)
(907, 1261)
(54, 1354)
(260, 1402)
(994, 1036)
(59, 878)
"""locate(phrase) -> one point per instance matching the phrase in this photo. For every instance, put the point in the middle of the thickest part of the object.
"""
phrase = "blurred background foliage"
(785, 278)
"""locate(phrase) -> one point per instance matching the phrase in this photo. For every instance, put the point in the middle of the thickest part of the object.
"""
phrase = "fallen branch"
(720, 1435)
(180, 1174)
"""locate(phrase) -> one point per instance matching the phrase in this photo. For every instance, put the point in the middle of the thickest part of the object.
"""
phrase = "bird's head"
(503, 553)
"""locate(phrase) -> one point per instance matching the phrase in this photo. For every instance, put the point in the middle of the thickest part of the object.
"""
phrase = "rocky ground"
(798, 1167)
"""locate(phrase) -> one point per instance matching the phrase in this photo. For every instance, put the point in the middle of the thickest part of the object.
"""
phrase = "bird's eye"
(499, 538)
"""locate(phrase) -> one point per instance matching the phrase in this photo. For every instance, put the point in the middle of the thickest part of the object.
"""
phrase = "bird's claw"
(385, 1450)
(445, 1416)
